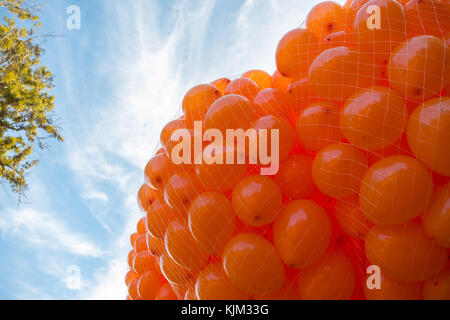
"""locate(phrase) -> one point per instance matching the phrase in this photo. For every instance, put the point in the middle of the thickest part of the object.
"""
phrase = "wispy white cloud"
(29, 292)
(108, 282)
(69, 276)
(95, 195)
(43, 230)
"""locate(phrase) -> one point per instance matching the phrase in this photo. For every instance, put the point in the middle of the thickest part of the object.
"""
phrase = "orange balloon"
(436, 219)
(318, 126)
(213, 284)
(405, 253)
(295, 178)
(338, 39)
(141, 243)
(181, 159)
(338, 72)
(325, 18)
(133, 289)
(191, 295)
(130, 276)
(429, 134)
(182, 247)
(146, 196)
(419, 69)
(170, 128)
(181, 188)
(212, 221)
(352, 8)
(380, 40)
(428, 17)
(149, 285)
(347, 4)
(286, 294)
(198, 100)
(350, 217)
(438, 288)
(261, 78)
(302, 233)
(285, 135)
(144, 262)
(159, 217)
(280, 82)
(158, 171)
(272, 102)
(180, 290)
(133, 238)
(173, 272)
(257, 200)
(243, 87)
(155, 246)
(131, 256)
(166, 293)
(253, 265)
(395, 190)
(230, 112)
(141, 226)
(339, 169)
(332, 278)
(374, 118)
(300, 96)
(394, 290)
(221, 84)
(220, 175)
(295, 53)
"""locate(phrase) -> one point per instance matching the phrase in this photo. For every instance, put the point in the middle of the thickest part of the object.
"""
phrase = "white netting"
(358, 206)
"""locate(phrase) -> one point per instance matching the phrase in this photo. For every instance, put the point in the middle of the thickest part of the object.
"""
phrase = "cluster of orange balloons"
(360, 99)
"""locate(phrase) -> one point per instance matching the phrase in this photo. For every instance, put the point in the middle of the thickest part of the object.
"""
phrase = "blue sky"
(118, 80)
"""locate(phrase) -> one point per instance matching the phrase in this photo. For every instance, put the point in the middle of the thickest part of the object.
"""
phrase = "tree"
(26, 105)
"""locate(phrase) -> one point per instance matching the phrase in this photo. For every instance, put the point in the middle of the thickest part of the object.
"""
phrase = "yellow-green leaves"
(25, 103)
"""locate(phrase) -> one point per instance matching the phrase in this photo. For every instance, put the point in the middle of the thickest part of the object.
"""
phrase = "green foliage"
(25, 102)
